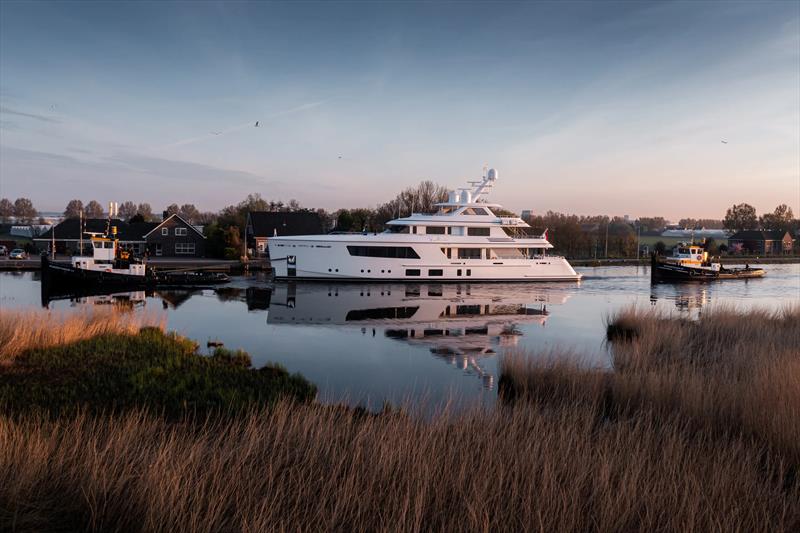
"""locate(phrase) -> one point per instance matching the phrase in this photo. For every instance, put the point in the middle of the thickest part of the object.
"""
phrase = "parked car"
(3, 249)
(18, 253)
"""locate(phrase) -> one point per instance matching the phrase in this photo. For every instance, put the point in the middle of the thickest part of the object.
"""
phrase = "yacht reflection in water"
(460, 324)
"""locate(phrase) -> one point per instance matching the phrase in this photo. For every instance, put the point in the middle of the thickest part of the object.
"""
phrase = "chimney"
(164, 215)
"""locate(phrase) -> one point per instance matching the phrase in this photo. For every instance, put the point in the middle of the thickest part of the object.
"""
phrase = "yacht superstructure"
(464, 240)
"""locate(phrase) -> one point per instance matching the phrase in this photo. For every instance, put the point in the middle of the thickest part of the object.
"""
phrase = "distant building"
(261, 225)
(173, 237)
(765, 242)
(697, 233)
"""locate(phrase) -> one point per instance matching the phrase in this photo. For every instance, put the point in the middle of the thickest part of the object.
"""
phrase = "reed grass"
(24, 330)
(659, 443)
(310, 467)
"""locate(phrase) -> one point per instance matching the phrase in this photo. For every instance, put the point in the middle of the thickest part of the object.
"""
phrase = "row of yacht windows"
(492, 253)
(441, 230)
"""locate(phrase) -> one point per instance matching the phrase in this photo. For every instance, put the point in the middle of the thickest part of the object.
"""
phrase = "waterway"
(366, 343)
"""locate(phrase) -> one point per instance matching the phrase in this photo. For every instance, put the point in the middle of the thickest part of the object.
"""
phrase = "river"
(414, 343)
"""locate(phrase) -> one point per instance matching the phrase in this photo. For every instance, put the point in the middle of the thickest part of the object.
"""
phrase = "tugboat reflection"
(460, 324)
(687, 298)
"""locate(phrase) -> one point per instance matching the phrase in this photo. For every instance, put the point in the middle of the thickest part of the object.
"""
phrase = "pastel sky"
(595, 107)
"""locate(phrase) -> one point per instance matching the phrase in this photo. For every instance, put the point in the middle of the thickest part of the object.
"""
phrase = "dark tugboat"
(112, 268)
(690, 262)
(109, 266)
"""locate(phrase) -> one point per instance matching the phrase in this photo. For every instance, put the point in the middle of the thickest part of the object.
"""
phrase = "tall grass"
(301, 467)
(668, 440)
(730, 371)
(24, 330)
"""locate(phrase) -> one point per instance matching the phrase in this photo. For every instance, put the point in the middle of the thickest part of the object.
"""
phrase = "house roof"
(759, 235)
(174, 215)
(268, 223)
(70, 229)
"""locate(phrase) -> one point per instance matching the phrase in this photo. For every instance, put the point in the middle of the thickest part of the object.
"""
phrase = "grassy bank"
(109, 361)
(693, 439)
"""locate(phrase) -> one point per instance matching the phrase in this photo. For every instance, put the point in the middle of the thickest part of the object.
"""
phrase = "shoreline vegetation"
(695, 427)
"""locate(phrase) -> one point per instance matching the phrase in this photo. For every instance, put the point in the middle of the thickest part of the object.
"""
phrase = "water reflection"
(459, 324)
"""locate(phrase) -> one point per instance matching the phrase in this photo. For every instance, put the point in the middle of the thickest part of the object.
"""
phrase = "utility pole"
(607, 240)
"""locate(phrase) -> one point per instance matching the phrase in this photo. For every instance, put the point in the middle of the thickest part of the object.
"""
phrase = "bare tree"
(73, 209)
(93, 210)
(6, 209)
(24, 210)
(189, 213)
(146, 211)
(171, 209)
(128, 210)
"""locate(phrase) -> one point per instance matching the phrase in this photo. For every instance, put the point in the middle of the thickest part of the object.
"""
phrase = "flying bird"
(216, 133)
(724, 142)
(256, 124)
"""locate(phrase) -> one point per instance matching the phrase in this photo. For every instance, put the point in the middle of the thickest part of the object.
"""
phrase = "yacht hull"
(321, 260)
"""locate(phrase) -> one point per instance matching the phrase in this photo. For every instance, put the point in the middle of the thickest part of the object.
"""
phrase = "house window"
(435, 272)
(165, 231)
(184, 248)
(412, 272)
(159, 250)
(180, 232)
(478, 232)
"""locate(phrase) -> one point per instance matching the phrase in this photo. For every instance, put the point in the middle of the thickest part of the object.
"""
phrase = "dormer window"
(164, 231)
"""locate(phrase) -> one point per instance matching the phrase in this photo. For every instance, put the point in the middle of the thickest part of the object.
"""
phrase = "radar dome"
(492, 174)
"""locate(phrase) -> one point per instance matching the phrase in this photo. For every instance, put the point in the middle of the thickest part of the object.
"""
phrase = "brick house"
(764, 242)
(175, 237)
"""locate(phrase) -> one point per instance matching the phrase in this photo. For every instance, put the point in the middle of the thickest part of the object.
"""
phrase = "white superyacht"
(464, 240)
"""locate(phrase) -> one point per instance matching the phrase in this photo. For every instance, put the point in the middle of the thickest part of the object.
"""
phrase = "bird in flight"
(724, 142)
(256, 124)
(216, 133)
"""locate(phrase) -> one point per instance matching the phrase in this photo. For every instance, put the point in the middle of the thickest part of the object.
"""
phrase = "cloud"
(43, 118)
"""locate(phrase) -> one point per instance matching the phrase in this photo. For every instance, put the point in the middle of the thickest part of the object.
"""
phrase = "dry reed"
(23, 330)
(320, 468)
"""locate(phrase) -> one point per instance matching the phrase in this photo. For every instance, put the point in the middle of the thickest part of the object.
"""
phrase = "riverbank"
(158, 263)
(725, 260)
(693, 430)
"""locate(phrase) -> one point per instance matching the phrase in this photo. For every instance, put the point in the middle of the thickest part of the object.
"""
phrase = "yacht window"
(469, 272)
(475, 211)
(449, 230)
(402, 252)
(507, 253)
(398, 229)
(413, 229)
(108, 245)
(469, 253)
(435, 230)
(412, 272)
(478, 232)
(435, 272)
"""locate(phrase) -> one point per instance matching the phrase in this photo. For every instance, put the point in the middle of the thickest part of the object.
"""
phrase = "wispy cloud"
(44, 118)
(262, 122)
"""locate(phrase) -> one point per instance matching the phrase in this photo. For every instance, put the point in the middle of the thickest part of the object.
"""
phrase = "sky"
(589, 108)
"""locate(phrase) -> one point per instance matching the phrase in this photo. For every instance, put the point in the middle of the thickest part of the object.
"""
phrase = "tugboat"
(109, 266)
(690, 262)
(112, 268)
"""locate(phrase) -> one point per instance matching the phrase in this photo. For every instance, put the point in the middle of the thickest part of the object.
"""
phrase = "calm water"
(366, 343)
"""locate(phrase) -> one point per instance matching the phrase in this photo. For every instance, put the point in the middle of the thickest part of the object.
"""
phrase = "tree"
(73, 209)
(146, 211)
(93, 210)
(171, 210)
(780, 219)
(136, 219)
(652, 223)
(24, 210)
(660, 247)
(128, 210)
(189, 213)
(740, 217)
(6, 209)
